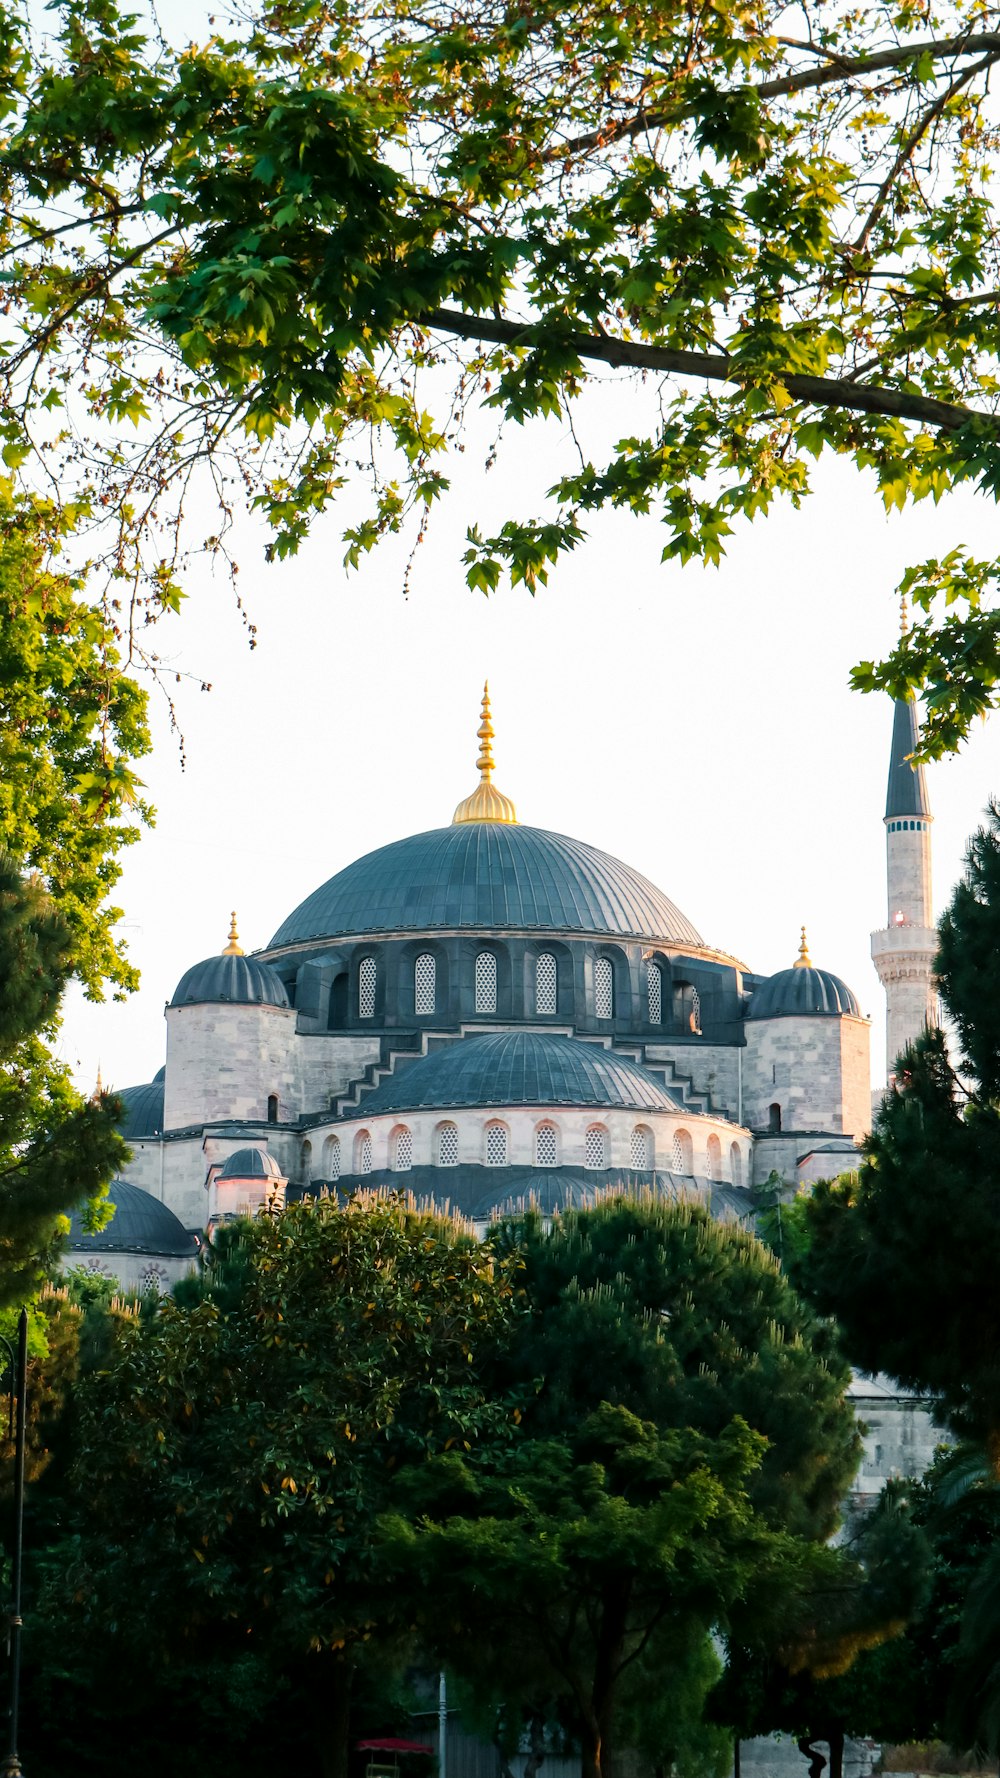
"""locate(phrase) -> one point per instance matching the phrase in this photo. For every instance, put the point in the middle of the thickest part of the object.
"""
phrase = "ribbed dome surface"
(241, 981)
(810, 993)
(141, 1224)
(487, 877)
(143, 1110)
(251, 1163)
(518, 1068)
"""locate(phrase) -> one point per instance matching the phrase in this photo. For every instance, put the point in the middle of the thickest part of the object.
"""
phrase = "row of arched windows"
(496, 1150)
(687, 1005)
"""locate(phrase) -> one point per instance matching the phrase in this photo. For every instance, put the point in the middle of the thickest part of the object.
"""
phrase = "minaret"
(903, 952)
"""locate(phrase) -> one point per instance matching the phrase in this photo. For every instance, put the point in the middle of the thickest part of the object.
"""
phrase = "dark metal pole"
(11, 1767)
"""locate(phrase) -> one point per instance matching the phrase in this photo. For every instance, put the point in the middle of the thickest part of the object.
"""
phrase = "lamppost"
(18, 1362)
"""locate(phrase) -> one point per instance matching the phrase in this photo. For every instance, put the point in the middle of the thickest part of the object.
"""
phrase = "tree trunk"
(836, 1753)
(596, 1748)
(332, 1714)
(813, 1755)
(536, 1745)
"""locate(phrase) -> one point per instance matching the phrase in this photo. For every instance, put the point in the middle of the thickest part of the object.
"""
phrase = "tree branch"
(714, 367)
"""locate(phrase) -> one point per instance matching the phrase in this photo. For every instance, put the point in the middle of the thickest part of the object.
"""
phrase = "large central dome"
(482, 875)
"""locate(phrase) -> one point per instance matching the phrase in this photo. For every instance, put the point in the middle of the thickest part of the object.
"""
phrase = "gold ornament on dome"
(486, 803)
(233, 948)
(803, 960)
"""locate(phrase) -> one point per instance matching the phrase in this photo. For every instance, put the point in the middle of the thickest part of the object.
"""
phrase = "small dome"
(251, 1163)
(806, 992)
(143, 1110)
(230, 979)
(518, 1068)
(141, 1224)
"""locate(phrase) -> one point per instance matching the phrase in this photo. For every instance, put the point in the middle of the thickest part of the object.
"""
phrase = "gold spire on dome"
(803, 960)
(904, 615)
(233, 948)
(486, 803)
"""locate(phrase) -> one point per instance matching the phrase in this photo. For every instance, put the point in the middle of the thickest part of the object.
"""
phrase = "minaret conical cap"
(486, 803)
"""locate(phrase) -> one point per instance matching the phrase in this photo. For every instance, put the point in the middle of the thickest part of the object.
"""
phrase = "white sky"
(695, 723)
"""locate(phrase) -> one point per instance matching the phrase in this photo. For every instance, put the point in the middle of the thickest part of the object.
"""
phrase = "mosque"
(490, 1014)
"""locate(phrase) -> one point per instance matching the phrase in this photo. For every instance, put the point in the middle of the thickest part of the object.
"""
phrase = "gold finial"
(98, 1086)
(486, 802)
(904, 615)
(803, 960)
(233, 948)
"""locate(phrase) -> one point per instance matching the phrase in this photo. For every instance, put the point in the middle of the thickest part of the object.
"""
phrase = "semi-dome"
(234, 980)
(518, 1068)
(141, 1224)
(804, 991)
(143, 1109)
(487, 876)
(251, 1163)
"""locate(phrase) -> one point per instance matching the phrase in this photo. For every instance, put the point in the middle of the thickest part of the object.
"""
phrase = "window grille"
(695, 1010)
(447, 1145)
(595, 1152)
(640, 1155)
(682, 1156)
(424, 983)
(714, 1158)
(153, 1277)
(404, 1150)
(363, 1153)
(331, 1157)
(496, 1145)
(366, 988)
(604, 988)
(486, 982)
(736, 1164)
(546, 981)
(546, 1146)
(654, 993)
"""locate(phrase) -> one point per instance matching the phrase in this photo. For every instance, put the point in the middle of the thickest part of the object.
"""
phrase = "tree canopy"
(319, 239)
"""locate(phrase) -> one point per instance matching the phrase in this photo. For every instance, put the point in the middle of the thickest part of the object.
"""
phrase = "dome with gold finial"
(231, 978)
(803, 990)
(486, 803)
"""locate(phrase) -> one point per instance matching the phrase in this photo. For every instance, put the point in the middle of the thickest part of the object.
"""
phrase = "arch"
(687, 1007)
(367, 983)
(735, 1164)
(446, 1144)
(363, 1152)
(272, 1108)
(595, 1147)
(401, 1148)
(683, 1154)
(774, 1118)
(604, 988)
(425, 983)
(654, 992)
(546, 984)
(331, 1158)
(714, 1158)
(641, 1149)
(546, 1145)
(307, 1161)
(496, 1144)
(486, 982)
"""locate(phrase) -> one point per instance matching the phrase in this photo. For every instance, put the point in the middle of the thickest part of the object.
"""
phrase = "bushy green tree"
(251, 250)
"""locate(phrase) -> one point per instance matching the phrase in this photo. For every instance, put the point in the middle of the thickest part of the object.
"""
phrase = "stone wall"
(815, 1070)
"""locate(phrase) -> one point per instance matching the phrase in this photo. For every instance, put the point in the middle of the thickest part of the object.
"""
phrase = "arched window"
(447, 1145)
(641, 1149)
(774, 1118)
(424, 983)
(683, 1155)
(363, 1152)
(307, 1162)
(604, 988)
(496, 1145)
(595, 1147)
(714, 1158)
(735, 1164)
(654, 993)
(696, 1012)
(546, 1146)
(331, 1157)
(272, 1108)
(402, 1150)
(486, 982)
(546, 983)
(367, 976)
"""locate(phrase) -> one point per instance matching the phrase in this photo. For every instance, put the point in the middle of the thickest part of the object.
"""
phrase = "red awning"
(392, 1744)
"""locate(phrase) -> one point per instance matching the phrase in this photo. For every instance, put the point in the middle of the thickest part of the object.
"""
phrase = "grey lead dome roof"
(143, 1110)
(810, 993)
(517, 1068)
(487, 876)
(232, 978)
(141, 1224)
(251, 1163)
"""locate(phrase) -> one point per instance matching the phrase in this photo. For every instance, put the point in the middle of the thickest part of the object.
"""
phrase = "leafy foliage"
(267, 252)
